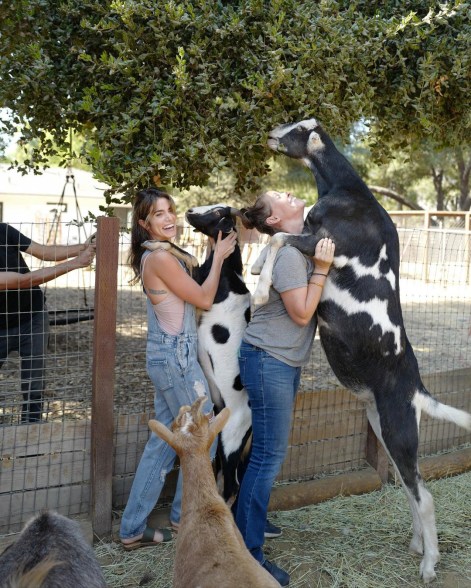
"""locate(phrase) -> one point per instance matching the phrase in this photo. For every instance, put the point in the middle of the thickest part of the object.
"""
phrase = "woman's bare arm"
(58, 252)
(301, 303)
(17, 281)
(163, 272)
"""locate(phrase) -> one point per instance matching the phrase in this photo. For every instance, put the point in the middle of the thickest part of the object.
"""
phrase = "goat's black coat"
(359, 352)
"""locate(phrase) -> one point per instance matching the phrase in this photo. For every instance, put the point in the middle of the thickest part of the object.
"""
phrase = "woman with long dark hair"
(172, 363)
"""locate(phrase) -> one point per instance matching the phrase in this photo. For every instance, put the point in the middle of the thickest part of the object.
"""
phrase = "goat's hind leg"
(402, 450)
(426, 514)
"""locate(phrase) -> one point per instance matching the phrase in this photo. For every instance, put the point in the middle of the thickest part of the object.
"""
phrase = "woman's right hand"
(225, 247)
(86, 256)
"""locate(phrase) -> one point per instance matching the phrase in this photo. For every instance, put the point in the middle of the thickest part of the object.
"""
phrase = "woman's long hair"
(142, 207)
(255, 216)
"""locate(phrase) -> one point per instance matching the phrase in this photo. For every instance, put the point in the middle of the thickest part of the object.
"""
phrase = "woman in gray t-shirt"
(276, 344)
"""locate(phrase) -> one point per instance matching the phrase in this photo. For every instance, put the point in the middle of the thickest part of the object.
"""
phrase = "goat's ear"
(218, 423)
(314, 142)
(163, 432)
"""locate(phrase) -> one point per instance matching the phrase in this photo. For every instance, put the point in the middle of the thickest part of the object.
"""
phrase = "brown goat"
(210, 551)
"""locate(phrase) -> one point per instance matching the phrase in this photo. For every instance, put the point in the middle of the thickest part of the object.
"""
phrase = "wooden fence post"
(376, 455)
(103, 375)
(425, 273)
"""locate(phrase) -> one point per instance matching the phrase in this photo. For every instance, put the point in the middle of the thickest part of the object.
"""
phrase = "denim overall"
(172, 365)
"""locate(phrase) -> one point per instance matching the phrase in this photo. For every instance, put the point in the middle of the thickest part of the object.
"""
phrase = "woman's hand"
(225, 247)
(324, 254)
(85, 257)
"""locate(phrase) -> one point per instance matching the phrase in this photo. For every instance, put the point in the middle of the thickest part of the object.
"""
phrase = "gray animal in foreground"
(50, 552)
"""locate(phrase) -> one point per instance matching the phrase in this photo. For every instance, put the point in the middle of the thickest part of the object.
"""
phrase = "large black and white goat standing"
(359, 316)
(220, 331)
(50, 552)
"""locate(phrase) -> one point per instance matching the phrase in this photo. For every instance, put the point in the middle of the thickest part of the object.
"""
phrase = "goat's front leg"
(305, 242)
(258, 264)
(260, 295)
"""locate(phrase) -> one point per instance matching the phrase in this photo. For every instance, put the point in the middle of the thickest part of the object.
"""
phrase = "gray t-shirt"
(271, 328)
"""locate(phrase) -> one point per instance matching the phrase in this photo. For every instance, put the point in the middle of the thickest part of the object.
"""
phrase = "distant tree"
(425, 178)
(463, 160)
(178, 91)
(3, 145)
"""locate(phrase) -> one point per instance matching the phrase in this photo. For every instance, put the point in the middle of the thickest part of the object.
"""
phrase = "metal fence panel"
(48, 464)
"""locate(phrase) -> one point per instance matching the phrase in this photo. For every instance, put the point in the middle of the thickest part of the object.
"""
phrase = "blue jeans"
(271, 386)
(30, 341)
(178, 380)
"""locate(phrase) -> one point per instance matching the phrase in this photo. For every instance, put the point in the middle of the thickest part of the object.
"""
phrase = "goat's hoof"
(154, 245)
(258, 299)
(429, 577)
(255, 271)
(427, 571)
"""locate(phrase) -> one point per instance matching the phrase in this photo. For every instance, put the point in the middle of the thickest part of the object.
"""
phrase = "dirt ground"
(347, 542)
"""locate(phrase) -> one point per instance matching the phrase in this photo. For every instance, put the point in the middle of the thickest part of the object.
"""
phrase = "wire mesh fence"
(48, 463)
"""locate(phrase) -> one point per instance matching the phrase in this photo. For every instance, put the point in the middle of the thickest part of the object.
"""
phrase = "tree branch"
(395, 196)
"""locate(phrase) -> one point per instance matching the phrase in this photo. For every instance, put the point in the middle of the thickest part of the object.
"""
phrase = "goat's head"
(297, 140)
(192, 431)
(213, 218)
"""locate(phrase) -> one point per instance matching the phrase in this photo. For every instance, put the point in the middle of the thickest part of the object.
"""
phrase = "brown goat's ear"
(197, 406)
(218, 423)
(163, 432)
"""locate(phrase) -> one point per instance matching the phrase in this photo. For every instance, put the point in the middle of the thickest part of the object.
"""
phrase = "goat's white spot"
(365, 394)
(199, 388)
(376, 308)
(188, 420)
(367, 270)
(314, 142)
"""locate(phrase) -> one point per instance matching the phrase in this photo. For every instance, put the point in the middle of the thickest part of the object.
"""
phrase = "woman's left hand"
(324, 254)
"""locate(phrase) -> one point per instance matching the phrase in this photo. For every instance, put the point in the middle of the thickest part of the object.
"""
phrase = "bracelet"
(316, 284)
(317, 274)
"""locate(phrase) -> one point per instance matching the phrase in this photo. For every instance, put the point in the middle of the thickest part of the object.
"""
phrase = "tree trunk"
(437, 177)
(464, 169)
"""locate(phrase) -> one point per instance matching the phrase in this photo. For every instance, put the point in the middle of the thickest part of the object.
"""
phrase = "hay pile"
(352, 542)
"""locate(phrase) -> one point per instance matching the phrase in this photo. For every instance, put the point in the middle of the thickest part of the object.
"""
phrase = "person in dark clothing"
(24, 323)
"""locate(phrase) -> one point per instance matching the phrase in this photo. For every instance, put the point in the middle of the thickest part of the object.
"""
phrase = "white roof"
(50, 183)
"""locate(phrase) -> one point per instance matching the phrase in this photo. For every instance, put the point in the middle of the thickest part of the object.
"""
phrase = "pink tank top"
(169, 311)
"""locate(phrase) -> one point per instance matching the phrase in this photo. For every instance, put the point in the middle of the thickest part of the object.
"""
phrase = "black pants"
(30, 340)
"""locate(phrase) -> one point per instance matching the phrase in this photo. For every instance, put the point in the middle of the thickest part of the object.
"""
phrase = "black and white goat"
(50, 552)
(220, 331)
(359, 316)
